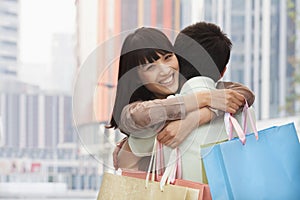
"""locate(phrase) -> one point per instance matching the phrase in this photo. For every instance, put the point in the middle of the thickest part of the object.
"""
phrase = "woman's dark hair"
(139, 47)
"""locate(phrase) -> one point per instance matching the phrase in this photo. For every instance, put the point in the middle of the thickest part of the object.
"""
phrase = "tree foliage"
(292, 106)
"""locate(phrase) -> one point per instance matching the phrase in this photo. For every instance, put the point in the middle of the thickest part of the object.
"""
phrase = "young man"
(203, 51)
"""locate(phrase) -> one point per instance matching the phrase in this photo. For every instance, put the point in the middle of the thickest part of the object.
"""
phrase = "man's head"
(212, 40)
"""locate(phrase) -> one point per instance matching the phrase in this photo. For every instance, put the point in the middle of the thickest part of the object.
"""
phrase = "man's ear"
(223, 72)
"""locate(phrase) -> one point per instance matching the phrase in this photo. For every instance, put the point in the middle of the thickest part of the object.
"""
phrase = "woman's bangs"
(150, 55)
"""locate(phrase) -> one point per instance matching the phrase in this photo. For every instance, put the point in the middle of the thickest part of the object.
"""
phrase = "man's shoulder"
(197, 83)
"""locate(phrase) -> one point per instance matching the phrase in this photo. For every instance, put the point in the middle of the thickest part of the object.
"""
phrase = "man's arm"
(140, 117)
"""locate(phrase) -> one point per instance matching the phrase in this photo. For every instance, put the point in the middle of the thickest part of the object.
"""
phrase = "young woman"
(148, 73)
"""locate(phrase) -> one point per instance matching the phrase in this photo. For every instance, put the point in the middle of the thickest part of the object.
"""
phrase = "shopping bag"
(240, 128)
(267, 168)
(128, 188)
(203, 189)
(144, 187)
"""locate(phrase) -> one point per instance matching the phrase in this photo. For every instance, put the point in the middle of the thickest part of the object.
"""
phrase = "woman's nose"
(164, 69)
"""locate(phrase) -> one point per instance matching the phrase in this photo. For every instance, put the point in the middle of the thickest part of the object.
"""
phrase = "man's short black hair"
(213, 41)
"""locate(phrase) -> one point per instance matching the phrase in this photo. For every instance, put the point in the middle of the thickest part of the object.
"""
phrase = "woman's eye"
(149, 67)
(168, 56)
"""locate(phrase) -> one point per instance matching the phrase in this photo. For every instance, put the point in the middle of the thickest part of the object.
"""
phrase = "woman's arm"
(140, 115)
(175, 132)
(169, 134)
(241, 89)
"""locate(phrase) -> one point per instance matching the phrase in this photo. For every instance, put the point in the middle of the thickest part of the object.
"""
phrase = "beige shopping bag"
(117, 187)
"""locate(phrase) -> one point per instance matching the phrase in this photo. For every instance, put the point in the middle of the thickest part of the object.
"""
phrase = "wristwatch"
(216, 111)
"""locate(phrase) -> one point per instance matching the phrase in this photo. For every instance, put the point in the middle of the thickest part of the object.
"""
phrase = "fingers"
(227, 100)
(172, 144)
(160, 136)
(163, 137)
(238, 99)
(166, 135)
(232, 109)
(168, 138)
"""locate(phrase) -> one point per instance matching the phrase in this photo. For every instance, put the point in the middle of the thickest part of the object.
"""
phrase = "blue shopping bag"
(267, 168)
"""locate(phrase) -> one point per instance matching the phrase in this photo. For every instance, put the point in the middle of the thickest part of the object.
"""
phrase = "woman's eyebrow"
(145, 65)
(148, 65)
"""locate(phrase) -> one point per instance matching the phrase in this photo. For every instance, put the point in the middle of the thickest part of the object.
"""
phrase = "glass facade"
(127, 8)
(9, 30)
(42, 158)
(12, 121)
(259, 36)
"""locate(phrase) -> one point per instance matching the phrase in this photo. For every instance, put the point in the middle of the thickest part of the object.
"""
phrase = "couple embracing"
(173, 93)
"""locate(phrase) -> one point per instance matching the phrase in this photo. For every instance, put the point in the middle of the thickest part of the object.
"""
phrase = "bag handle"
(246, 114)
(231, 122)
(151, 164)
(159, 159)
(172, 171)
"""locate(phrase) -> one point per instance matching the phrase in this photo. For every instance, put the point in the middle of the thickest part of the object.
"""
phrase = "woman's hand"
(225, 99)
(175, 132)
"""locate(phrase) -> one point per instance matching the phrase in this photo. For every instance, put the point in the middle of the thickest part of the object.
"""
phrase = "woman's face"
(161, 76)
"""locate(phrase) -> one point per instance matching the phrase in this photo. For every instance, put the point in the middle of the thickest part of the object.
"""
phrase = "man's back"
(209, 133)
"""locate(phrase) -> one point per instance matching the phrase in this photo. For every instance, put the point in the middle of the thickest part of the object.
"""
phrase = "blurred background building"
(261, 32)
(39, 139)
(9, 35)
(263, 35)
(40, 152)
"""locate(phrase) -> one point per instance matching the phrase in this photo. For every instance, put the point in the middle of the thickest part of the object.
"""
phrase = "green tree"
(293, 99)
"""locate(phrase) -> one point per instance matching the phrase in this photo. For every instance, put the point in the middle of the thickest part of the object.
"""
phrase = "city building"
(63, 62)
(40, 144)
(9, 36)
(261, 32)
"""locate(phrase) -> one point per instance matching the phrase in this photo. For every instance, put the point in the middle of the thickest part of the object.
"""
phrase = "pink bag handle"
(235, 124)
(173, 169)
(246, 114)
(151, 164)
(231, 122)
(159, 160)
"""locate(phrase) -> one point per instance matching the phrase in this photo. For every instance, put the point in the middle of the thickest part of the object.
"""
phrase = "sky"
(39, 20)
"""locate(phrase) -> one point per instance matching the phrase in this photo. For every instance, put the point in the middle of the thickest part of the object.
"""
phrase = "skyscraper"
(63, 64)
(9, 30)
(260, 31)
